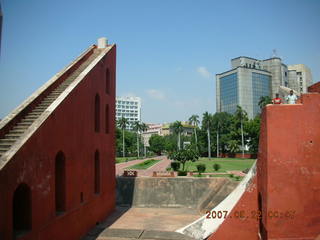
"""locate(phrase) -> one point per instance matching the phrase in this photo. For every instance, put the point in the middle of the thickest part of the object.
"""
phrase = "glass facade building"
(261, 86)
(229, 93)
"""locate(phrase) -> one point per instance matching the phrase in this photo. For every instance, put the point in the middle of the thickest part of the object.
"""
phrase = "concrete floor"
(144, 219)
(162, 219)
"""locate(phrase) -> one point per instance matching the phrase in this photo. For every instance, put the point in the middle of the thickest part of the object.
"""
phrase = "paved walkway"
(145, 220)
(160, 166)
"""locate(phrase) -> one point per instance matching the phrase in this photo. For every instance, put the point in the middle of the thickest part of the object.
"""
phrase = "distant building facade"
(129, 108)
(300, 76)
(249, 79)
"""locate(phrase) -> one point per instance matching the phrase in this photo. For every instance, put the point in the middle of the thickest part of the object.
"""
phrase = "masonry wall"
(289, 170)
(314, 88)
(286, 190)
(69, 129)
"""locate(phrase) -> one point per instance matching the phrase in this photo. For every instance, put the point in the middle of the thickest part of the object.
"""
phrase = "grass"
(125, 159)
(234, 178)
(144, 165)
(227, 164)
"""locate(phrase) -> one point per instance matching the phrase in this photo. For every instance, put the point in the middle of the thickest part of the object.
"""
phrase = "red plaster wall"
(314, 88)
(70, 128)
(289, 169)
(245, 227)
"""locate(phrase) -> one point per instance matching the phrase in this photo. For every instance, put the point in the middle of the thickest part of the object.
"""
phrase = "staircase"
(20, 128)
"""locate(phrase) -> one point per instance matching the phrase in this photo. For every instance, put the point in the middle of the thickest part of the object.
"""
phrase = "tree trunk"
(179, 142)
(123, 149)
(242, 140)
(196, 138)
(138, 148)
(209, 144)
(218, 143)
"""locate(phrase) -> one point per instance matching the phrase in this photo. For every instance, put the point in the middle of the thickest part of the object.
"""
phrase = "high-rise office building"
(129, 108)
(300, 75)
(250, 78)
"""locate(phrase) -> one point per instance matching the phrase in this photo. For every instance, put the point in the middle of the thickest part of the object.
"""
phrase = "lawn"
(125, 159)
(227, 164)
(144, 165)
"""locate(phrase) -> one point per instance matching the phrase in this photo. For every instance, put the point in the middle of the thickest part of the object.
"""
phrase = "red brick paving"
(160, 166)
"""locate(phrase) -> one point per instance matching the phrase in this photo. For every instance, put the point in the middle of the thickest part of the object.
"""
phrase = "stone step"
(13, 135)
(26, 124)
(26, 121)
(5, 145)
(8, 141)
(4, 149)
(20, 127)
(16, 131)
(31, 117)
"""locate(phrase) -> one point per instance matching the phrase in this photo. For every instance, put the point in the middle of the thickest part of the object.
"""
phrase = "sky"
(168, 52)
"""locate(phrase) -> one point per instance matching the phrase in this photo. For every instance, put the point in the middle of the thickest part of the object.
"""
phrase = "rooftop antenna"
(274, 53)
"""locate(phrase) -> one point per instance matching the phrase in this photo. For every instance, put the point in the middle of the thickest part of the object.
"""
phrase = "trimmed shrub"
(175, 166)
(182, 173)
(201, 168)
(237, 178)
(216, 166)
(246, 170)
(231, 175)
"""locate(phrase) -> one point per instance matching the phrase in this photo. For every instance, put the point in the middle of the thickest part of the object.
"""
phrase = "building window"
(261, 86)
(108, 81)
(229, 93)
(97, 113)
(107, 119)
(96, 172)
(22, 209)
(60, 183)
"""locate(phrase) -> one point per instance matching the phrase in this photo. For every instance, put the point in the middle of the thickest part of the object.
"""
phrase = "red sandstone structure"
(283, 199)
(57, 176)
(279, 199)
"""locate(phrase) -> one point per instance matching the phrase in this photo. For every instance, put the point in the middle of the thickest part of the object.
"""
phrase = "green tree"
(263, 101)
(194, 120)
(233, 146)
(241, 116)
(206, 124)
(144, 128)
(157, 144)
(185, 155)
(122, 123)
(138, 127)
(253, 130)
(177, 128)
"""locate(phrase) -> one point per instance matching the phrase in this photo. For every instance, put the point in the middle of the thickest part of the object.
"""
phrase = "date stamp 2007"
(256, 214)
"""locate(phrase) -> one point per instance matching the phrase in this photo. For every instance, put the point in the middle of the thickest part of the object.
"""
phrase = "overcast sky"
(168, 52)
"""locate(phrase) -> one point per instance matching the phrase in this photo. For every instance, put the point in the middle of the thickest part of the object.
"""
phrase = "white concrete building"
(300, 74)
(129, 108)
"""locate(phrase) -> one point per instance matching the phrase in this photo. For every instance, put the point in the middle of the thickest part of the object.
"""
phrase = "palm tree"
(122, 123)
(144, 128)
(137, 128)
(241, 115)
(206, 123)
(263, 101)
(177, 128)
(194, 120)
(218, 129)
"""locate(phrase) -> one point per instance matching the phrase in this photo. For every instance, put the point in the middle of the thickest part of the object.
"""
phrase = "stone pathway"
(137, 223)
(160, 166)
